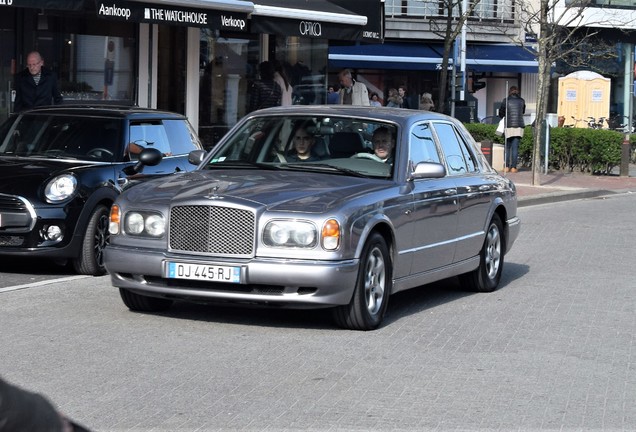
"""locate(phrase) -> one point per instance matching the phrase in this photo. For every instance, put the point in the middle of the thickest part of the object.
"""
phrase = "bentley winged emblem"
(213, 195)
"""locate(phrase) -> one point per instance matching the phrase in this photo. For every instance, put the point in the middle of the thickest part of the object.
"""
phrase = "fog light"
(53, 233)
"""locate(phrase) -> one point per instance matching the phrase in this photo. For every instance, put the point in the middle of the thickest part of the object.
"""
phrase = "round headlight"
(279, 233)
(134, 223)
(303, 234)
(60, 188)
(290, 233)
(155, 225)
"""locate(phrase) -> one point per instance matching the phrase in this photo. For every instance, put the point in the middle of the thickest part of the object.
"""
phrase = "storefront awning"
(222, 5)
(387, 56)
(501, 58)
(323, 19)
(479, 58)
(69, 5)
(228, 15)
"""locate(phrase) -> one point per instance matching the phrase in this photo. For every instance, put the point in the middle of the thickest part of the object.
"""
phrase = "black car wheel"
(96, 237)
(485, 278)
(373, 287)
(140, 303)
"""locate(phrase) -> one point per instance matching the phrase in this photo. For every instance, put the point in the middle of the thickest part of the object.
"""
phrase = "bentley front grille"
(220, 231)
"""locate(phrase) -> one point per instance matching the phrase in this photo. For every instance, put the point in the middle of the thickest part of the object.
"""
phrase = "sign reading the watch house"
(160, 14)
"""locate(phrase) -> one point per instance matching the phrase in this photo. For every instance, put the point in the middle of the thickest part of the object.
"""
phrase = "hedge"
(585, 150)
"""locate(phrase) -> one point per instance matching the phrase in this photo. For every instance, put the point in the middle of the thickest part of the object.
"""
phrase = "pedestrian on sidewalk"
(265, 92)
(36, 85)
(513, 108)
(352, 92)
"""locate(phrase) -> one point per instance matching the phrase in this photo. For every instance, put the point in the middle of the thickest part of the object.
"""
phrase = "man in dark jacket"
(513, 108)
(266, 92)
(36, 85)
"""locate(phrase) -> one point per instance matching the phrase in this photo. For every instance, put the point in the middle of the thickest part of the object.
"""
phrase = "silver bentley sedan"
(317, 207)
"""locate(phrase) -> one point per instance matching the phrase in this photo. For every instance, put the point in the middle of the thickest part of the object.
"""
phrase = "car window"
(147, 135)
(459, 160)
(181, 137)
(61, 136)
(422, 146)
(311, 143)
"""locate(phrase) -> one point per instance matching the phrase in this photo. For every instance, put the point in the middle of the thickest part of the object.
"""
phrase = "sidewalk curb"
(563, 196)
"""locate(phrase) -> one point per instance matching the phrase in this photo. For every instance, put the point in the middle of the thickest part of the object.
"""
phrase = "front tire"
(96, 237)
(486, 277)
(373, 287)
(140, 303)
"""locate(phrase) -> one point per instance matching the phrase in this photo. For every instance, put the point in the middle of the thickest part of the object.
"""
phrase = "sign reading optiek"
(160, 14)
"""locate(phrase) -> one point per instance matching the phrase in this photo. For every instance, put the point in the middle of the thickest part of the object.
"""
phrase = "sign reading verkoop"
(159, 14)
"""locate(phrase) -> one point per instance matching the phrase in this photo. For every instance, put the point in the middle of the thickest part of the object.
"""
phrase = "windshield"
(328, 144)
(60, 136)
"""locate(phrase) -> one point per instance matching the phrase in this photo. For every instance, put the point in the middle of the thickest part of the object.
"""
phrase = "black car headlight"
(290, 233)
(60, 188)
(145, 224)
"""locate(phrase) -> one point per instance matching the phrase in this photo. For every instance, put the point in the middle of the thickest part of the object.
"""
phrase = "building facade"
(413, 50)
(196, 57)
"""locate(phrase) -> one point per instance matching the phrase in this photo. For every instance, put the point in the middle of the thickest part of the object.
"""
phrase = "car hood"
(24, 176)
(275, 190)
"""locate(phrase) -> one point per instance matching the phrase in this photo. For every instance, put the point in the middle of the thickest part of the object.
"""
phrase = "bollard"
(486, 149)
(626, 147)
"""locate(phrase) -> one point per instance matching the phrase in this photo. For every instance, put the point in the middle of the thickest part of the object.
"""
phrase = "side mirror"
(428, 170)
(147, 157)
(195, 157)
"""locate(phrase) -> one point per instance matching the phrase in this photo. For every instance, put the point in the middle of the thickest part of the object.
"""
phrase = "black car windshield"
(61, 136)
(347, 145)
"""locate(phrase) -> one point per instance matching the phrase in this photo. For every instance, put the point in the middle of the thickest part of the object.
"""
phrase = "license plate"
(176, 270)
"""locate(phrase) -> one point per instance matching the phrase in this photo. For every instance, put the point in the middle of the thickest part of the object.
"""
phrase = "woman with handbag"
(512, 110)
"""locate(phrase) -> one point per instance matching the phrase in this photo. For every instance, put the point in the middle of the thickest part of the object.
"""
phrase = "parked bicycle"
(594, 123)
(591, 122)
(622, 124)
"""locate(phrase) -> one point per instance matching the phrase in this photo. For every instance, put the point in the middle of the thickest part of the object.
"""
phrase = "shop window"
(305, 63)
(97, 68)
(224, 66)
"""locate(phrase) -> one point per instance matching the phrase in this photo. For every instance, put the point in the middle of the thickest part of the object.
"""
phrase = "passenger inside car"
(303, 144)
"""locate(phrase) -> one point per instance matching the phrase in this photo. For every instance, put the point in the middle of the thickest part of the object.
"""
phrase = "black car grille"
(222, 231)
(17, 216)
(10, 203)
(11, 240)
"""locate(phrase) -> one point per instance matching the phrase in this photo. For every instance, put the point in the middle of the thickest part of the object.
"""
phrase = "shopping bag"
(501, 127)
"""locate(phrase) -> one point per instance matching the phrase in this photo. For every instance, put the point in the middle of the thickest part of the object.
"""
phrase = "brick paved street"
(552, 349)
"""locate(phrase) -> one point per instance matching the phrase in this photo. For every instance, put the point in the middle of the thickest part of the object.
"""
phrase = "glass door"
(7, 61)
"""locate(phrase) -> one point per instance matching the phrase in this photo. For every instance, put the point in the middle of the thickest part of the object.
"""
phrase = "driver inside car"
(383, 143)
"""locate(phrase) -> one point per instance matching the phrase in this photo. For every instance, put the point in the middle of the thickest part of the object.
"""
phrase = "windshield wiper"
(326, 167)
(50, 156)
(241, 164)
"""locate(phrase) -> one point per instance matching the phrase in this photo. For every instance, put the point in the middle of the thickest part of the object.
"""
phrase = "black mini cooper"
(62, 167)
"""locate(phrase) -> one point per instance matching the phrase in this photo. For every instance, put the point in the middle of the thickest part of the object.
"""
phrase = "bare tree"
(563, 32)
(456, 13)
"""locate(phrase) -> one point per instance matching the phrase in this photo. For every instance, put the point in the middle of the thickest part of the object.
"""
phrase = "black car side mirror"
(195, 157)
(148, 157)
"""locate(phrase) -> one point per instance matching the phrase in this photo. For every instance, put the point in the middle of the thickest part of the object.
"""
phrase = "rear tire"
(486, 277)
(96, 237)
(140, 303)
(373, 287)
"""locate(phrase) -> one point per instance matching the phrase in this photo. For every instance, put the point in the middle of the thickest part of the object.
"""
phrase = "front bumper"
(282, 282)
